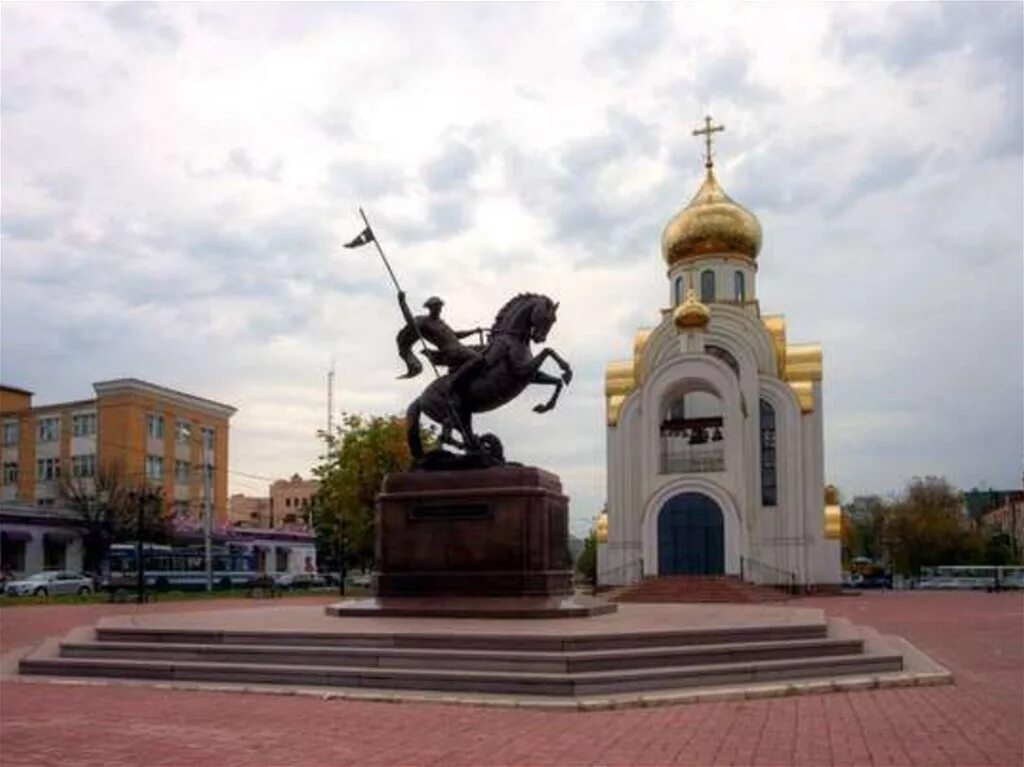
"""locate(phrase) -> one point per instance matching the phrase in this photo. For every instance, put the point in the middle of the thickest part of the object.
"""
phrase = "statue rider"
(448, 350)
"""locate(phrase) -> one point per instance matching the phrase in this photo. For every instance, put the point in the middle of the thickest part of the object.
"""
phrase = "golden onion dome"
(601, 527)
(691, 314)
(712, 223)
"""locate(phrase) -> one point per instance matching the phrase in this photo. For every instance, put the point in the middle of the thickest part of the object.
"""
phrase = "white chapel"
(714, 425)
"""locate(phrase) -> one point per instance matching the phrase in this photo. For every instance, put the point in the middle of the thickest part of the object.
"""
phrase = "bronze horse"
(506, 368)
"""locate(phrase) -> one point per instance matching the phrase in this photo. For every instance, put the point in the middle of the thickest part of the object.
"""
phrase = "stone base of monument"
(479, 543)
(472, 607)
(640, 655)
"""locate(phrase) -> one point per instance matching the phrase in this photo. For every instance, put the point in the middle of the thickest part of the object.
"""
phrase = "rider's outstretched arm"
(405, 308)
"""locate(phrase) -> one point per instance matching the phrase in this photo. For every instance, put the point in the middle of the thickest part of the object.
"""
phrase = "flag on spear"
(365, 237)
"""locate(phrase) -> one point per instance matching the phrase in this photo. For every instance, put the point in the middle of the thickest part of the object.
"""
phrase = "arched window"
(724, 355)
(707, 285)
(677, 292)
(739, 287)
(769, 470)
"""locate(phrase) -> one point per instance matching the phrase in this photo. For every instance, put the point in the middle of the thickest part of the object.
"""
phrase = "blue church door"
(690, 539)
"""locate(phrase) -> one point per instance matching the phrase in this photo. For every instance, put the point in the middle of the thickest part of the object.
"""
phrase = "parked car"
(876, 580)
(362, 580)
(51, 582)
(293, 581)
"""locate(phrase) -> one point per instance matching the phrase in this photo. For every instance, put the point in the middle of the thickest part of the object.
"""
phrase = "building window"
(280, 560)
(739, 286)
(10, 473)
(54, 553)
(83, 466)
(155, 426)
(182, 469)
(182, 432)
(725, 356)
(769, 470)
(208, 437)
(11, 433)
(83, 425)
(677, 294)
(48, 429)
(707, 285)
(154, 468)
(12, 551)
(47, 469)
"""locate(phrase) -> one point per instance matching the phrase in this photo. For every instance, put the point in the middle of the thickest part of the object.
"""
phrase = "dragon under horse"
(506, 367)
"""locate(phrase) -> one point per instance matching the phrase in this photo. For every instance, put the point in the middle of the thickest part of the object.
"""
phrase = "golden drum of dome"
(712, 223)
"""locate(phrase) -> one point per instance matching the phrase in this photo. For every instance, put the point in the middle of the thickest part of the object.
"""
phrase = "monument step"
(496, 642)
(586, 683)
(476, 660)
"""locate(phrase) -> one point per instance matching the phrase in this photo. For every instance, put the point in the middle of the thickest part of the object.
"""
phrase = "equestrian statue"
(478, 378)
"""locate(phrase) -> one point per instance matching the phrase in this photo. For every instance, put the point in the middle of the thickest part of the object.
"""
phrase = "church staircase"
(699, 588)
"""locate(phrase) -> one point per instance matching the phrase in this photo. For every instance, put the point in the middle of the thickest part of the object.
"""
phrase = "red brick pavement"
(977, 721)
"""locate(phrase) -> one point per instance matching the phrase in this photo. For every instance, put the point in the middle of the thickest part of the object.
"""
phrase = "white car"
(50, 582)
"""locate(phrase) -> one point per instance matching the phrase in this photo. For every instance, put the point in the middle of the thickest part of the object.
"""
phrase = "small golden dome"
(601, 527)
(711, 223)
(691, 313)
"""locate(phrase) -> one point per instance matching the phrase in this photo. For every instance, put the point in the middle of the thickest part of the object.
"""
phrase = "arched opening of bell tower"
(692, 433)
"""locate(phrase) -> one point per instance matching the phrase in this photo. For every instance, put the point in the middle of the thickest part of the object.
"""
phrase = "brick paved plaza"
(979, 720)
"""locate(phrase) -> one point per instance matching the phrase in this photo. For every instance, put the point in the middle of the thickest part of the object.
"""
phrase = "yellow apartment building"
(152, 434)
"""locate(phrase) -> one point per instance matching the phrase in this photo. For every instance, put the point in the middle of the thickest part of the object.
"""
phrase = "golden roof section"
(803, 362)
(712, 223)
(691, 314)
(775, 324)
(619, 383)
(804, 391)
(639, 342)
(833, 513)
(601, 527)
(833, 522)
(800, 365)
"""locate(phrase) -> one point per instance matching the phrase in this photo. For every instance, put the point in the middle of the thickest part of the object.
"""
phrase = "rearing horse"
(506, 368)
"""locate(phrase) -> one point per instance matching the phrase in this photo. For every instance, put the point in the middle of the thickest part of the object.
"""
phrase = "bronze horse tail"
(412, 429)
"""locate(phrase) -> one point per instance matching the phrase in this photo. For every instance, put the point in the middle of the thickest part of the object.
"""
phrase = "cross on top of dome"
(706, 132)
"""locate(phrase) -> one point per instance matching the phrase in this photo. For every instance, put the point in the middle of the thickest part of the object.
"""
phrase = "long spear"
(368, 235)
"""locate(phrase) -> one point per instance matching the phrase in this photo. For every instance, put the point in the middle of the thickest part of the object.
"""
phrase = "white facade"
(715, 455)
(34, 539)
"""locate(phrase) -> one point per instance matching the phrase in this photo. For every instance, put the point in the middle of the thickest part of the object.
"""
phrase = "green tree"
(998, 549)
(866, 515)
(357, 457)
(586, 562)
(926, 527)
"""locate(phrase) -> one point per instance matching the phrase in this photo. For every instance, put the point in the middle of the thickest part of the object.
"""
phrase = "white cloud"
(177, 181)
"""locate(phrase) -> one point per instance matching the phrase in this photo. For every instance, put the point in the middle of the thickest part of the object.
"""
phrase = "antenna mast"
(330, 400)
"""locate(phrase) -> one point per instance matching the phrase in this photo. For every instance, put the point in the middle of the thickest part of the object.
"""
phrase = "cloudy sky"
(177, 181)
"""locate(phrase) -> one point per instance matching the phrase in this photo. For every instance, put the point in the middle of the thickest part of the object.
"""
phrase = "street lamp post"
(341, 555)
(143, 496)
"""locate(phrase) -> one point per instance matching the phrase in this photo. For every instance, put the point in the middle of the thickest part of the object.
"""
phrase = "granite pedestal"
(500, 532)
(464, 543)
